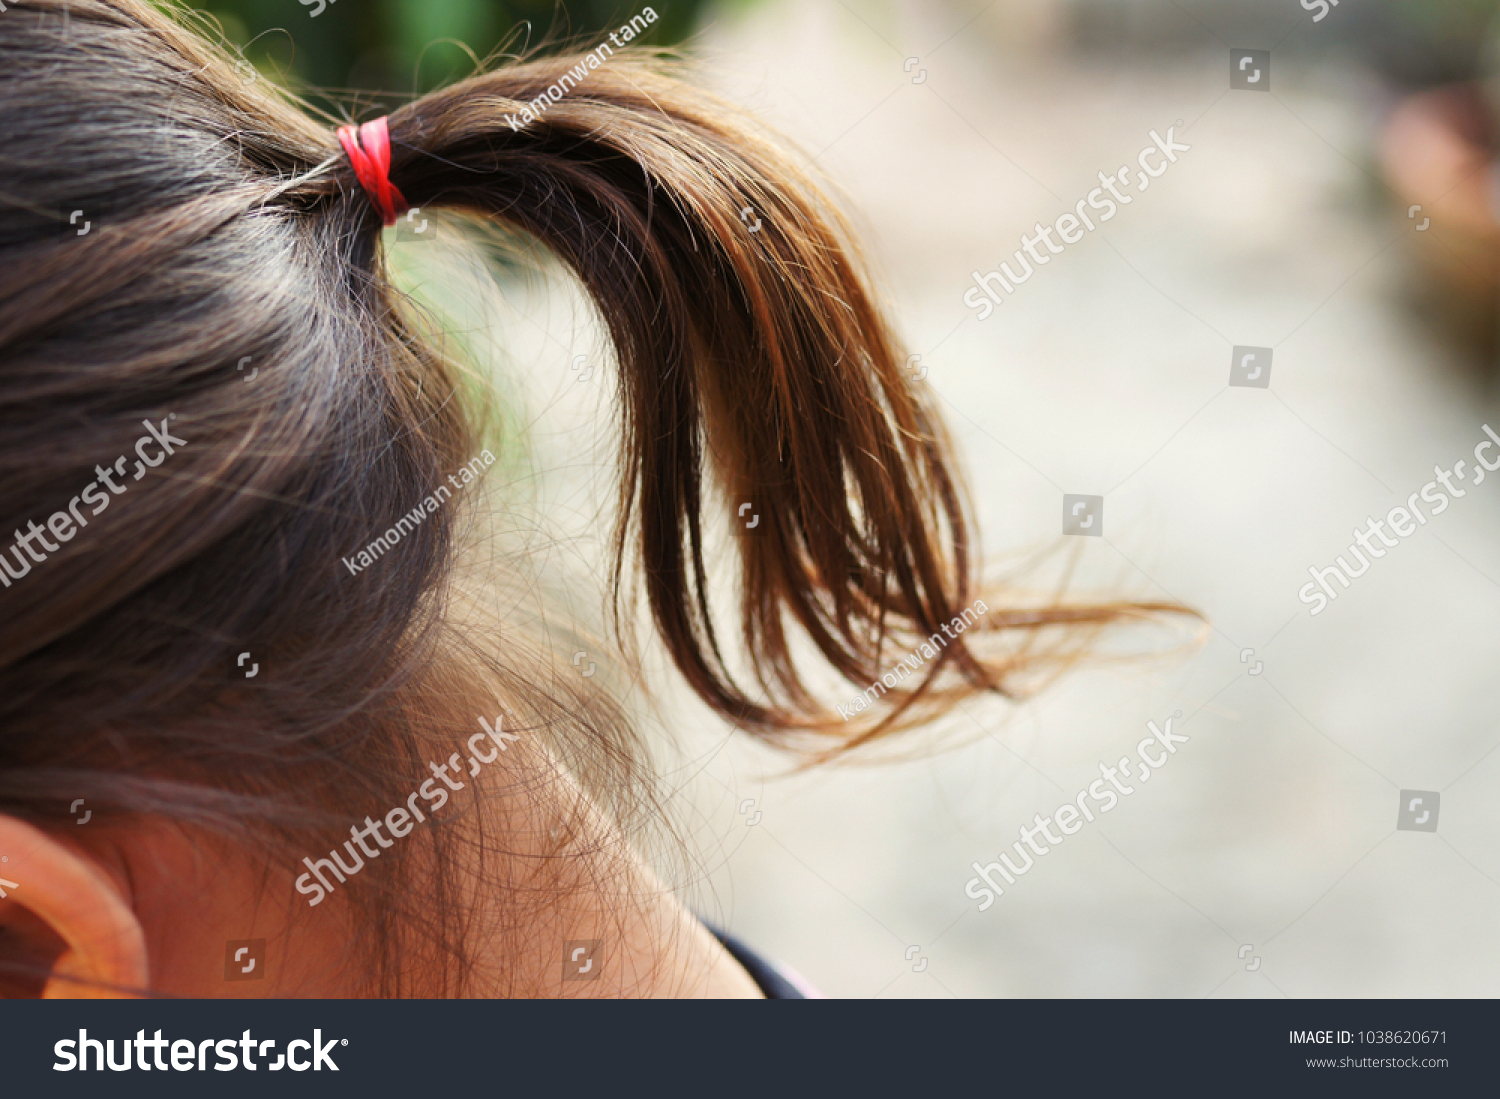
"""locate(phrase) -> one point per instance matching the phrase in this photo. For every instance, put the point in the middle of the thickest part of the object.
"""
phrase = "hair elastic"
(369, 149)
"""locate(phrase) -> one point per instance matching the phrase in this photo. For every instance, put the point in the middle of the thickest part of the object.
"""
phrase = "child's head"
(243, 605)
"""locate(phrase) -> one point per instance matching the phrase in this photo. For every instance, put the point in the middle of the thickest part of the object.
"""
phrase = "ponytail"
(228, 296)
(755, 368)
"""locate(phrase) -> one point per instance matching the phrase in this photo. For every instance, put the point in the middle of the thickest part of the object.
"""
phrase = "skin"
(123, 908)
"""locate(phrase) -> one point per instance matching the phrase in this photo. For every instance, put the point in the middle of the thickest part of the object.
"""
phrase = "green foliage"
(401, 47)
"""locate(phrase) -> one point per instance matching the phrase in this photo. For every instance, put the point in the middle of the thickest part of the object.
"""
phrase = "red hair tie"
(369, 149)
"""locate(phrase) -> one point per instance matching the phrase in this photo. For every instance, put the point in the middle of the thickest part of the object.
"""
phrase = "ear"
(63, 904)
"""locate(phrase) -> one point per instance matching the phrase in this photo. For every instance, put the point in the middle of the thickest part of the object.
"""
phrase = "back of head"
(168, 231)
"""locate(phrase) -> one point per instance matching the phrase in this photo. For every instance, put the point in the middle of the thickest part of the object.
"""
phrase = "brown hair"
(226, 229)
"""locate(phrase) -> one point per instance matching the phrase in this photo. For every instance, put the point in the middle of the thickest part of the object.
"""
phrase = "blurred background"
(1346, 217)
